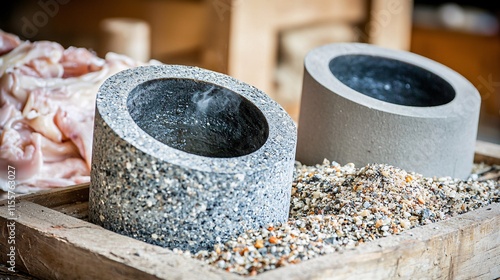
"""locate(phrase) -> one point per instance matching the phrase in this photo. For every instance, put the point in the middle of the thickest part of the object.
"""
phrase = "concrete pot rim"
(111, 104)
(317, 64)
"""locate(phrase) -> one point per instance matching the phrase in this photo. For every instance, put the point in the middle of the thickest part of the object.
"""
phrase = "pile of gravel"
(335, 207)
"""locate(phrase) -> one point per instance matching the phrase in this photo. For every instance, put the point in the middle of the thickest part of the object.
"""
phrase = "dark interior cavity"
(392, 80)
(198, 117)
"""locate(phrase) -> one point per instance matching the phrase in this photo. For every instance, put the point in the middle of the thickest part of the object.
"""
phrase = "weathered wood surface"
(235, 27)
(487, 152)
(5, 274)
(52, 244)
(246, 33)
(57, 197)
(463, 247)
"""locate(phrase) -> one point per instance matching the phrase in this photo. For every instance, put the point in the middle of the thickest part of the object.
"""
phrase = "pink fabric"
(47, 103)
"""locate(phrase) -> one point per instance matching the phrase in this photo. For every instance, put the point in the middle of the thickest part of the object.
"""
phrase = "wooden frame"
(54, 241)
(243, 36)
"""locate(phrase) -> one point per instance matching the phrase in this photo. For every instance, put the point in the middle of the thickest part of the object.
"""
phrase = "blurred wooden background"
(264, 42)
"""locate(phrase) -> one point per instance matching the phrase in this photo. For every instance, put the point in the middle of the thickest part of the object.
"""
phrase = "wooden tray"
(54, 241)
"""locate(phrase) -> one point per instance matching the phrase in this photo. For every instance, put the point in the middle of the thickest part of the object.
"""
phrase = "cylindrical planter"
(185, 157)
(364, 104)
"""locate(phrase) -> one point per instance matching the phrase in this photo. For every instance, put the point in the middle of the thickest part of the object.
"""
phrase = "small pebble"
(273, 240)
(333, 208)
(221, 264)
(259, 244)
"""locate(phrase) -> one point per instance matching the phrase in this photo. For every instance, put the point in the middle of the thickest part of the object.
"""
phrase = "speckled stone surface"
(173, 189)
(364, 104)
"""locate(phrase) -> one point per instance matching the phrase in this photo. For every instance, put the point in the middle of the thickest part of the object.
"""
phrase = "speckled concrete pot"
(364, 104)
(185, 157)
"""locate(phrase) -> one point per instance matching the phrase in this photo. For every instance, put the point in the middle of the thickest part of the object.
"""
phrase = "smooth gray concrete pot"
(364, 104)
(185, 157)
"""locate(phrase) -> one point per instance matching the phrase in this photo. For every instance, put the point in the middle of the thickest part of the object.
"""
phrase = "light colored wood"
(486, 152)
(244, 35)
(390, 23)
(57, 197)
(127, 36)
(216, 39)
(79, 210)
(255, 27)
(52, 245)
(250, 32)
(295, 43)
(177, 27)
(5, 274)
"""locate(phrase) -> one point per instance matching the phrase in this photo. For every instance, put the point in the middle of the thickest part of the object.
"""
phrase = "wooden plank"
(52, 245)
(486, 152)
(56, 246)
(5, 274)
(255, 26)
(216, 42)
(243, 36)
(57, 197)
(463, 247)
(390, 23)
(79, 210)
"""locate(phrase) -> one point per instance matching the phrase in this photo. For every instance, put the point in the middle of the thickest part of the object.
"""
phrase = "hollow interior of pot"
(391, 80)
(198, 117)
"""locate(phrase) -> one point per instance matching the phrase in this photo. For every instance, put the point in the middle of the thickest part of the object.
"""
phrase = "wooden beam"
(5, 274)
(486, 152)
(254, 32)
(56, 197)
(390, 23)
(52, 245)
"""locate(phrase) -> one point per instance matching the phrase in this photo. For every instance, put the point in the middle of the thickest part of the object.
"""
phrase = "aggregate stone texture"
(185, 158)
(363, 104)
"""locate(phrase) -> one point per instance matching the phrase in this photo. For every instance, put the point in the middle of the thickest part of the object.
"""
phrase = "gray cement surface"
(364, 104)
(185, 157)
